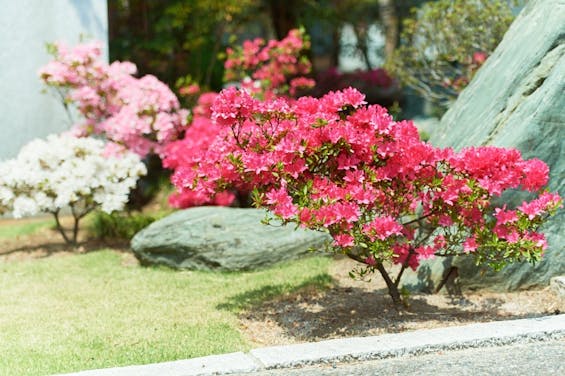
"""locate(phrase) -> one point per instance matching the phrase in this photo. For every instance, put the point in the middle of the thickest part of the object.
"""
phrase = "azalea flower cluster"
(266, 70)
(273, 68)
(64, 171)
(185, 154)
(141, 114)
(337, 165)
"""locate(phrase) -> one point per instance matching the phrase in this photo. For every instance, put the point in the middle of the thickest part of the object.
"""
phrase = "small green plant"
(118, 225)
(445, 42)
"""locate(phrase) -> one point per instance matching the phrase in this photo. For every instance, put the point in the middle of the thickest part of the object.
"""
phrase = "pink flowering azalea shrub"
(337, 165)
(273, 68)
(185, 154)
(141, 114)
(267, 70)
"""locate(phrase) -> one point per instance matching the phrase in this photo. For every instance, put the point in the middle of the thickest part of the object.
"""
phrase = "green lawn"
(25, 228)
(69, 313)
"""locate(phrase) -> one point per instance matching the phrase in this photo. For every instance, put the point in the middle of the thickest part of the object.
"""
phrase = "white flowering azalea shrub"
(67, 172)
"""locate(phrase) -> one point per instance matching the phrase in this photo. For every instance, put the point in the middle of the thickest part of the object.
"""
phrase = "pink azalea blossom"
(370, 260)
(505, 216)
(403, 255)
(470, 245)
(540, 205)
(270, 69)
(382, 228)
(344, 240)
(425, 252)
(142, 114)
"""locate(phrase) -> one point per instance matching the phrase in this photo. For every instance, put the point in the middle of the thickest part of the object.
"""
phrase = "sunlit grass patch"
(12, 229)
(85, 311)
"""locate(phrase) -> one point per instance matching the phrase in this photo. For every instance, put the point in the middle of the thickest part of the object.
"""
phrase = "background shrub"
(118, 225)
(445, 42)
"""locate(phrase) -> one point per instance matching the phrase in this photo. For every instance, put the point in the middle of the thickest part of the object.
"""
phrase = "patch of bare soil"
(348, 308)
(359, 308)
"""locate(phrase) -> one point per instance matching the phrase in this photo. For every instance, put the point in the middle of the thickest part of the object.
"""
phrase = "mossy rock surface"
(220, 238)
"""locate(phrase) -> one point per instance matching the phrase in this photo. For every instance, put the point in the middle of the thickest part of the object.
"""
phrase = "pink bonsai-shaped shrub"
(336, 165)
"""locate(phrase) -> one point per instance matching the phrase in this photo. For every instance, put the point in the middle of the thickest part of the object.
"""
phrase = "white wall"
(25, 27)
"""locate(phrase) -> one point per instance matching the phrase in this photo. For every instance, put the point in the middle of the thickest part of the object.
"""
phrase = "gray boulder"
(220, 238)
(517, 99)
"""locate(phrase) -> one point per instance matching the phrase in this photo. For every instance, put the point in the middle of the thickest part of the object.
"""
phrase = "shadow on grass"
(32, 238)
(250, 299)
(45, 247)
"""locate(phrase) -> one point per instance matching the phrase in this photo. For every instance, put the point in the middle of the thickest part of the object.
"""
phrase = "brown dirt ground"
(348, 308)
(361, 308)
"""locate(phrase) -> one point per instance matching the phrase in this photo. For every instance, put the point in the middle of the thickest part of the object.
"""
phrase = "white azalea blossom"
(65, 171)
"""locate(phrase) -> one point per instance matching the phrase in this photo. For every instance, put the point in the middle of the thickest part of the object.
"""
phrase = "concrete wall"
(25, 27)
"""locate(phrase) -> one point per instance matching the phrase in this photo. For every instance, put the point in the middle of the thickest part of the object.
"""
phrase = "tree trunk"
(389, 19)
(113, 20)
(392, 287)
(283, 16)
(60, 228)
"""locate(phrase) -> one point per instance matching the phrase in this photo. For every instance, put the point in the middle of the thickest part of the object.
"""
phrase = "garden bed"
(361, 308)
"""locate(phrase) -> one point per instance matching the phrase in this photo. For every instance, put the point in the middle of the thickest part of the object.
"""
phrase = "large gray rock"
(517, 99)
(219, 238)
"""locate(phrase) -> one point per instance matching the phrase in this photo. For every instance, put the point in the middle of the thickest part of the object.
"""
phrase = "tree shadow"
(48, 246)
(250, 299)
(351, 311)
(423, 282)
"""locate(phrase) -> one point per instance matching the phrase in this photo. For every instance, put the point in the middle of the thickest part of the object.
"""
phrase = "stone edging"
(417, 342)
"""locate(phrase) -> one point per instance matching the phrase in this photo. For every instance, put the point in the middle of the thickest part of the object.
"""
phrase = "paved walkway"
(365, 349)
(534, 358)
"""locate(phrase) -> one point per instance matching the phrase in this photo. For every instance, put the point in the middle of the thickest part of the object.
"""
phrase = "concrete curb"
(358, 348)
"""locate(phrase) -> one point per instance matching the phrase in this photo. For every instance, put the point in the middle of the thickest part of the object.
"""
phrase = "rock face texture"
(219, 238)
(517, 99)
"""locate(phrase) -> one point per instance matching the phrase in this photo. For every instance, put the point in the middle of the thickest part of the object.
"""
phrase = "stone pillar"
(25, 27)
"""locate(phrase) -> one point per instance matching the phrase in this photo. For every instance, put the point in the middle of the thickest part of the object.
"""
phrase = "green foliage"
(424, 136)
(173, 38)
(118, 225)
(176, 38)
(438, 43)
(87, 311)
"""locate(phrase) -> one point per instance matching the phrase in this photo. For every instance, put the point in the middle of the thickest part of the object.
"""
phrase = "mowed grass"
(15, 228)
(75, 312)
